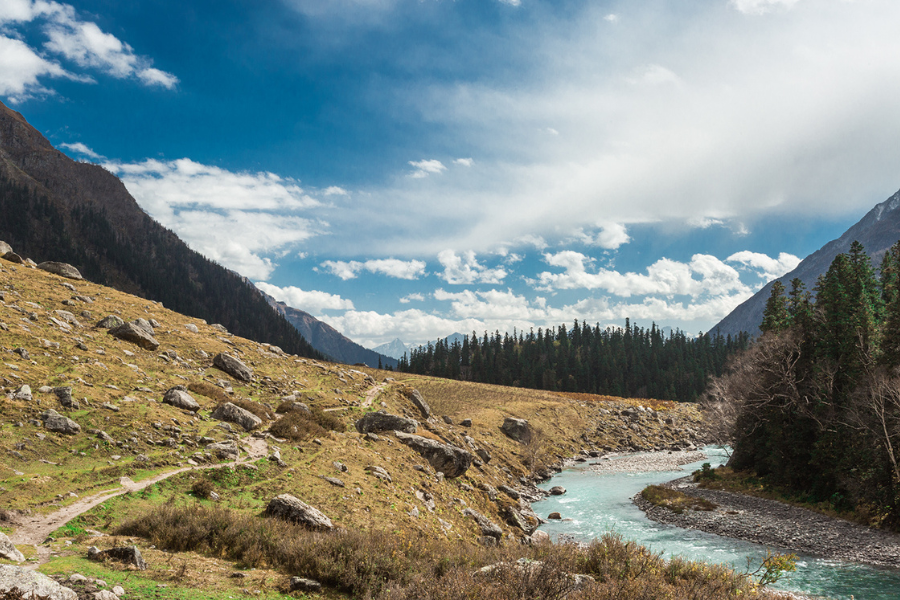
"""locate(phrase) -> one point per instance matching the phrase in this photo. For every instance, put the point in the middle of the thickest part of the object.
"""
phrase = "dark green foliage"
(148, 261)
(775, 315)
(818, 396)
(630, 361)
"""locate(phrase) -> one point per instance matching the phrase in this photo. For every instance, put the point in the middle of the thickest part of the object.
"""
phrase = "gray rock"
(224, 450)
(4, 248)
(289, 508)
(104, 595)
(13, 258)
(192, 328)
(8, 550)
(334, 481)
(56, 422)
(301, 584)
(449, 460)
(237, 415)
(179, 398)
(466, 422)
(126, 554)
(23, 393)
(32, 584)
(64, 395)
(233, 367)
(447, 420)
(420, 403)
(488, 527)
(110, 322)
(382, 421)
(483, 455)
(509, 492)
(62, 269)
(557, 490)
(136, 334)
(517, 429)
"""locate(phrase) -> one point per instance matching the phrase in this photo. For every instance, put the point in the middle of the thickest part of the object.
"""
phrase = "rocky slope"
(877, 231)
(91, 421)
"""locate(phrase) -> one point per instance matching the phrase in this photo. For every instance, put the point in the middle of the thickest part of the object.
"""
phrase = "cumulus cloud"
(392, 267)
(233, 218)
(82, 149)
(464, 162)
(610, 236)
(769, 268)
(80, 42)
(311, 301)
(334, 190)
(464, 268)
(424, 168)
(412, 298)
(611, 18)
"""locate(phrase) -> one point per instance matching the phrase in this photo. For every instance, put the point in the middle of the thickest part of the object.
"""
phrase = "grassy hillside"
(127, 432)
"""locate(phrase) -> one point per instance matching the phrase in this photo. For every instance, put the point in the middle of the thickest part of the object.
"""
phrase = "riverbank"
(779, 525)
(647, 463)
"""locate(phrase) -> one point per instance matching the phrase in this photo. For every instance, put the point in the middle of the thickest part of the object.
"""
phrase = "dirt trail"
(367, 401)
(34, 529)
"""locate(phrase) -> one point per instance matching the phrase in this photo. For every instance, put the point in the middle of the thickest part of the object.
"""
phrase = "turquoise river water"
(598, 503)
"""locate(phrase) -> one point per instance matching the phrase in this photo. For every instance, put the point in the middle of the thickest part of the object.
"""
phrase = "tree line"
(628, 361)
(814, 404)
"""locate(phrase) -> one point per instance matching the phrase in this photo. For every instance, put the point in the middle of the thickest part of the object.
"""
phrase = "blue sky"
(411, 168)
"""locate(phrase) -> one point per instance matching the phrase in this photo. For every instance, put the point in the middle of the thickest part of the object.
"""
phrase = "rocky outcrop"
(8, 550)
(517, 429)
(488, 527)
(32, 584)
(233, 367)
(4, 248)
(61, 269)
(110, 322)
(449, 460)
(292, 509)
(179, 398)
(224, 450)
(56, 422)
(237, 415)
(136, 334)
(126, 554)
(419, 402)
(382, 421)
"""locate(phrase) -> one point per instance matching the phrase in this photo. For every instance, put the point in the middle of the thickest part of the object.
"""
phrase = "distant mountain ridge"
(877, 231)
(54, 208)
(396, 348)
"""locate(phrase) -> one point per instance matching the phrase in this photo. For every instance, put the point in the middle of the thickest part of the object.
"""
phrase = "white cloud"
(412, 298)
(609, 236)
(20, 70)
(334, 190)
(611, 18)
(392, 267)
(511, 2)
(80, 148)
(233, 218)
(424, 168)
(81, 42)
(313, 302)
(760, 7)
(465, 269)
(771, 268)
(464, 162)
(653, 75)
(704, 222)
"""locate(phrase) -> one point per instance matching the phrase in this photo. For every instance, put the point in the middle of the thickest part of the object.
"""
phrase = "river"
(597, 503)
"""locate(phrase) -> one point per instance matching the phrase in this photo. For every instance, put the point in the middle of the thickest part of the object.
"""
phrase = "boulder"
(557, 490)
(13, 258)
(417, 399)
(488, 527)
(23, 393)
(382, 421)
(449, 460)
(447, 420)
(61, 269)
(179, 398)
(32, 584)
(517, 429)
(302, 584)
(110, 322)
(56, 422)
(64, 395)
(233, 367)
(292, 509)
(555, 516)
(540, 537)
(4, 248)
(8, 550)
(136, 334)
(484, 455)
(466, 422)
(224, 450)
(237, 415)
(126, 554)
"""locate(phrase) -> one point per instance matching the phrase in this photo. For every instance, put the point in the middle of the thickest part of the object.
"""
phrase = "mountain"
(877, 231)
(55, 209)
(328, 340)
(395, 348)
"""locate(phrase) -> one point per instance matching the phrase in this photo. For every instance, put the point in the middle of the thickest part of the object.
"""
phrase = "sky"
(413, 168)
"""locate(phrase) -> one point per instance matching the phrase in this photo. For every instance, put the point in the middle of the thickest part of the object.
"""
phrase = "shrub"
(327, 420)
(706, 473)
(209, 390)
(296, 425)
(674, 500)
(202, 488)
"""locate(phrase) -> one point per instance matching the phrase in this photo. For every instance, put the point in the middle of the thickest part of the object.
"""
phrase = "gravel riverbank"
(779, 526)
(646, 463)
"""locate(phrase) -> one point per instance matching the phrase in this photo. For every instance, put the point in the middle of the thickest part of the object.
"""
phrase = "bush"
(202, 488)
(706, 473)
(327, 420)
(209, 390)
(674, 500)
(297, 425)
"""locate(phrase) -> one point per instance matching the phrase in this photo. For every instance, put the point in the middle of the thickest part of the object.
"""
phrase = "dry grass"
(256, 408)
(214, 392)
(298, 426)
(674, 500)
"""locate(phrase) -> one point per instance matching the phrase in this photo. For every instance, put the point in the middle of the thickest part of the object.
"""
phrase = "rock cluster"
(447, 459)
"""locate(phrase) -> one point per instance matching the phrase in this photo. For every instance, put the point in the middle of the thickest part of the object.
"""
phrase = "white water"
(597, 503)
